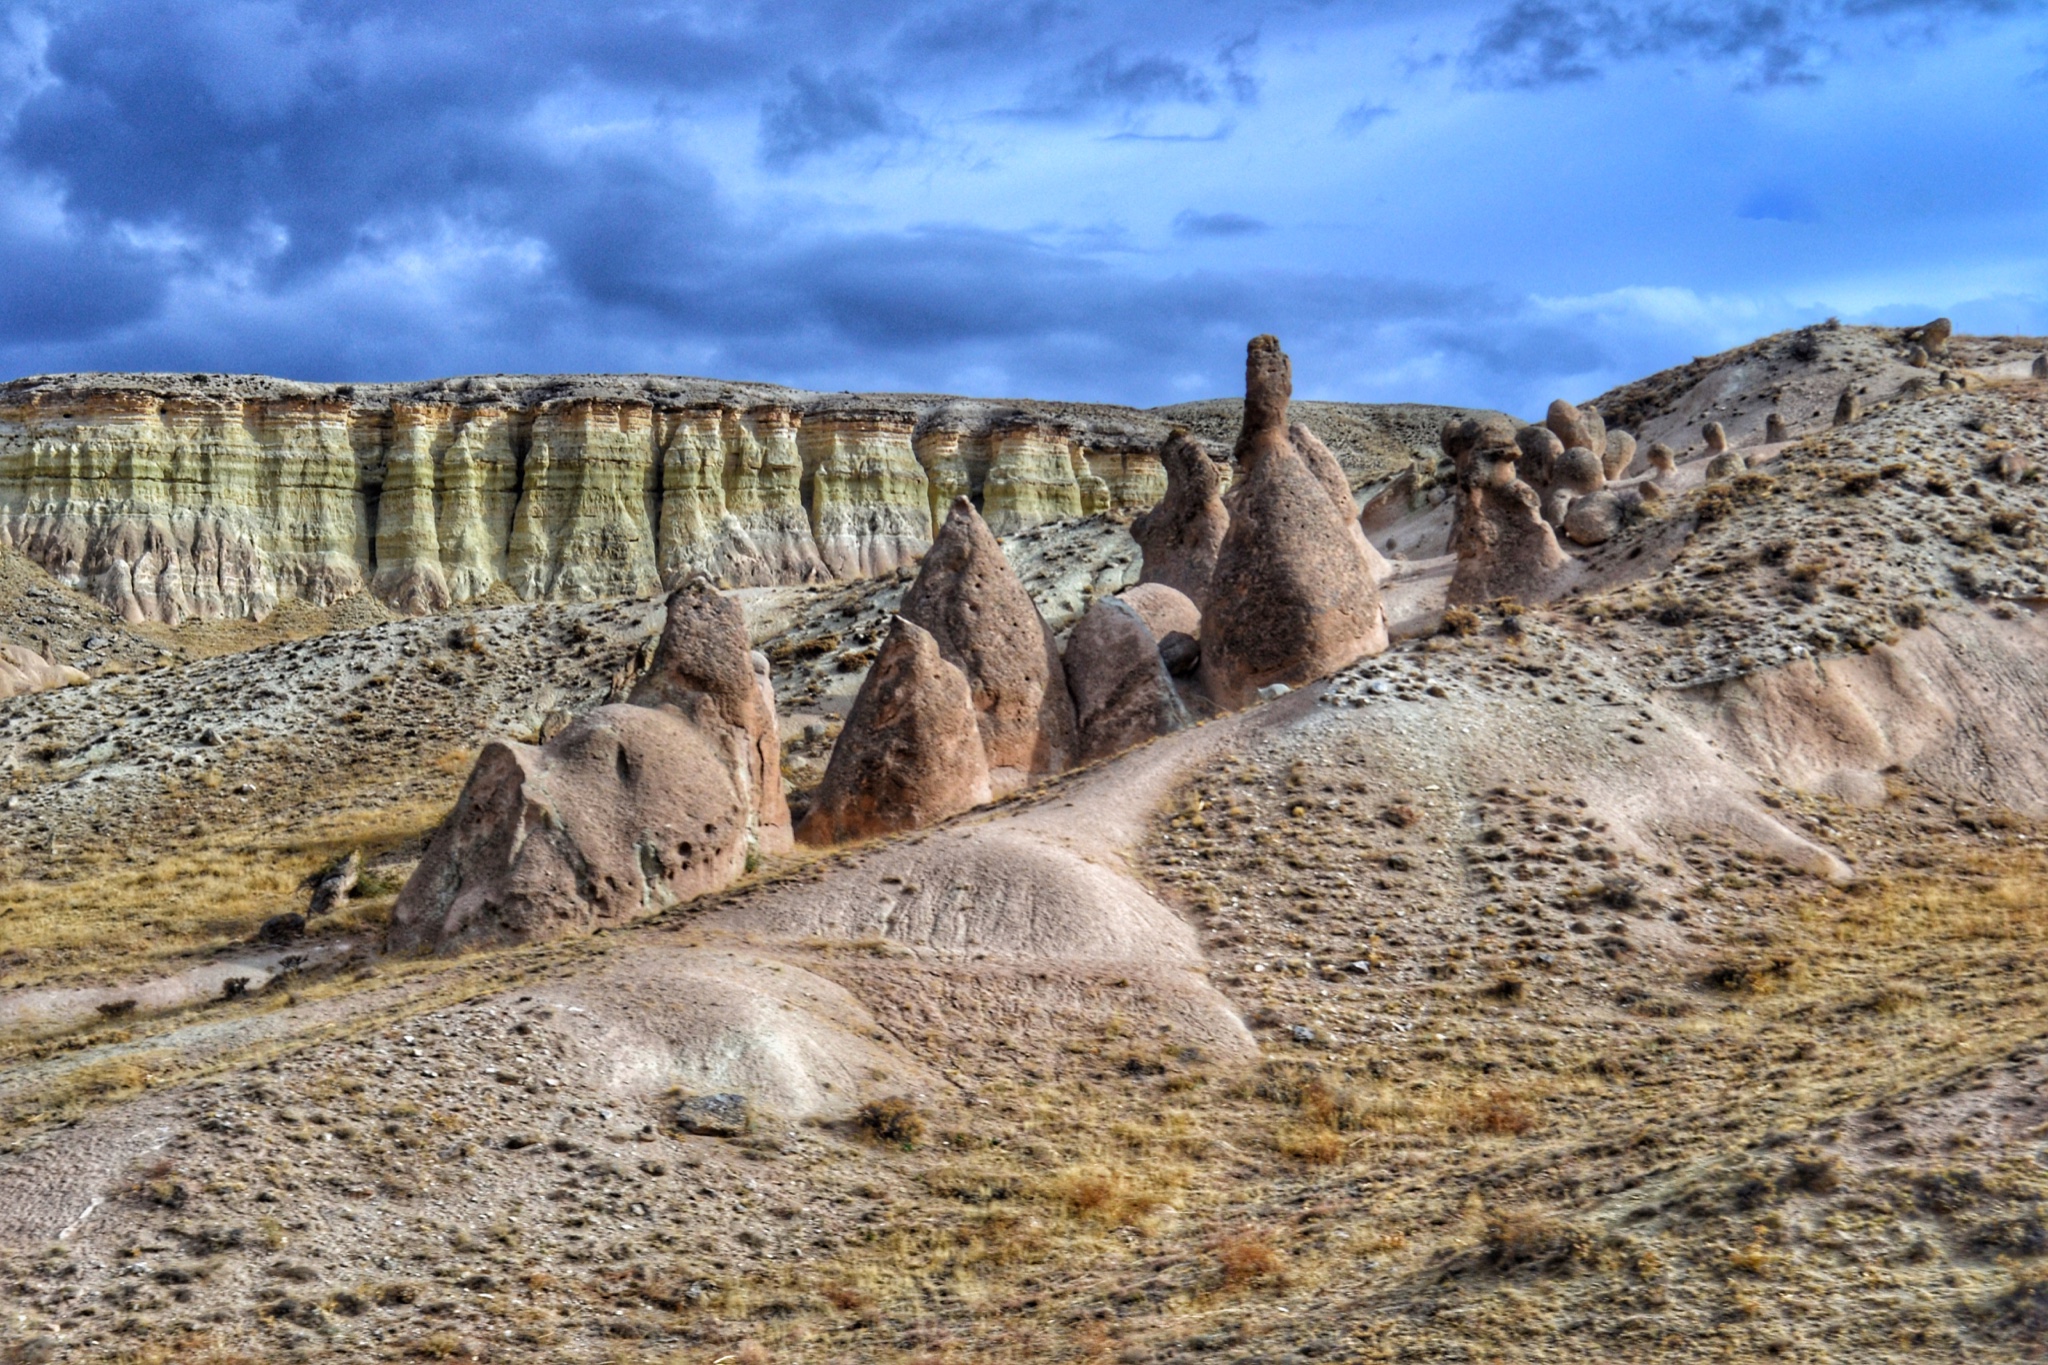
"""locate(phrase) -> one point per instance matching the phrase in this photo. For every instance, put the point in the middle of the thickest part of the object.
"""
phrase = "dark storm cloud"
(1188, 223)
(1116, 81)
(825, 112)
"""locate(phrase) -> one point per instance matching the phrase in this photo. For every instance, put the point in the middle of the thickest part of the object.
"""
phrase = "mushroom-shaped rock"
(628, 810)
(1848, 408)
(1716, 437)
(1934, 336)
(1577, 426)
(1593, 519)
(1504, 547)
(1775, 431)
(1579, 471)
(1916, 356)
(973, 603)
(1165, 610)
(1620, 453)
(1123, 694)
(911, 752)
(705, 668)
(1181, 534)
(1292, 598)
(1663, 459)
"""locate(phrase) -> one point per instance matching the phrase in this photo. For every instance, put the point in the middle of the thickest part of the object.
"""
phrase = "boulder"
(1577, 426)
(1715, 436)
(1579, 471)
(1540, 451)
(1291, 598)
(706, 668)
(1726, 465)
(1123, 694)
(1594, 519)
(1934, 336)
(628, 810)
(1775, 432)
(973, 603)
(1619, 455)
(725, 1116)
(1848, 408)
(1180, 536)
(1504, 546)
(1663, 459)
(1164, 609)
(911, 752)
(2040, 370)
(332, 884)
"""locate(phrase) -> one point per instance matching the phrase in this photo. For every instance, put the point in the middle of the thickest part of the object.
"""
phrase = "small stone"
(282, 929)
(715, 1115)
(1301, 1034)
(1274, 691)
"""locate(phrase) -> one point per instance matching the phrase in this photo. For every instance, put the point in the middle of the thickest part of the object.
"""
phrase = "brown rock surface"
(1291, 598)
(1122, 692)
(1180, 536)
(911, 753)
(1330, 474)
(1165, 609)
(970, 599)
(705, 668)
(628, 810)
(1504, 546)
(1577, 426)
(23, 670)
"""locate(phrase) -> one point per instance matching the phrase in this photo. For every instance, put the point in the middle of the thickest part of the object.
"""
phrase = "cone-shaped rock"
(1330, 475)
(630, 809)
(1291, 599)
(1123, 694)
(1505, 548)
(1180, 536)
(706, 668)
(973, 603)
(911, 752)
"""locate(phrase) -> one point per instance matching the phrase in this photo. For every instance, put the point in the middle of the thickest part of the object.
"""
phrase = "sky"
(1497, 202)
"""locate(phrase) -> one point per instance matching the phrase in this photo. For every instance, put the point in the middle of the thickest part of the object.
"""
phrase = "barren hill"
(1651, 970)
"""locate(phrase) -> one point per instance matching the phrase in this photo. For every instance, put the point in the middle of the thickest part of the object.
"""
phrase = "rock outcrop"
(1181, 535)
(1330, 474)
(705, 670)
(1504, 546)
(1775, 430)
(1123, 694)
(1577, 427)
(1848, 408)
(1291, 598)
(631, 808)
(2040, 369)
(869, 505)
(986, 624)
(23, 670)
(911, 752)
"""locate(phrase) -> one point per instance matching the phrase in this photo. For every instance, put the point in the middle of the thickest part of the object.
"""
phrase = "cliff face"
(177, 496)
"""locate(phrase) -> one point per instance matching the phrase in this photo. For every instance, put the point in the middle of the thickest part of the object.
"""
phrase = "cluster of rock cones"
(641, 804)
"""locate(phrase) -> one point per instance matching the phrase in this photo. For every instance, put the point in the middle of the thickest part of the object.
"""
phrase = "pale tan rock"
(1715, 436)
(910, 754)
(1131, 477)
(1848, 408)
(582, 530)
(1504, 546)
(870, 511)
(732, 498)
(1122, 692)
(970, 599)
(1030, 475)
(1726, 465)
(1291, 598)
(1181, 535)
(1330, 475)
(22, 670)
(1582, 427)
(954, 456)
(1580, 472)
(1594, 519)
(1663, 459)
(1775, 430)
(1934, 337)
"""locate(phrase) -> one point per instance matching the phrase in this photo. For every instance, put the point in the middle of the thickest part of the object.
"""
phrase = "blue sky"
(1496, 202)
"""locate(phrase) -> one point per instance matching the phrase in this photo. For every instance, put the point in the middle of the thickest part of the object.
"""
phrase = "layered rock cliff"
(177, 496)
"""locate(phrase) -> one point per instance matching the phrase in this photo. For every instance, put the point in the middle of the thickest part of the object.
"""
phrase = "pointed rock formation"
(1181, 535)
(1504, 546)
(1330, 474)
(706, 668)
(973, 603)
(632, 808)
(911, 753)
(1123, 694)
(1292, 598)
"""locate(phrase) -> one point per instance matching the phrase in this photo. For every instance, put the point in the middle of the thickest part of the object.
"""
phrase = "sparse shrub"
(895, 1120)
(115, 1009)
(752, 1352)
(1814, 1172)
(1509, 989)
(1108, 1196)
(1911, 615)
(1757, 978)
(1534, 1238)
(1859, 482)
(1400, 817)
(1496, 1113)
(1315, 1146)
(1246, 1257)
(1459, 621)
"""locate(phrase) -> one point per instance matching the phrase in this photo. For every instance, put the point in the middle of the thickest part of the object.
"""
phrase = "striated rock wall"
(171, 497)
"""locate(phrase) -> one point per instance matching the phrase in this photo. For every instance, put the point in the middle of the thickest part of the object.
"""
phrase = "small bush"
(1534, 1238)
(1496, 1113)
(895, 1120)
(1459, 621)
(1246, 1257)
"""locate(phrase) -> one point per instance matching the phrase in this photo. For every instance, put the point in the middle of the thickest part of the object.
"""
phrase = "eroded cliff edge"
(178, 496)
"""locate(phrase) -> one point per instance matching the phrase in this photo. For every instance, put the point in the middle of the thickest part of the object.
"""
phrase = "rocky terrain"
(1631, 946)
